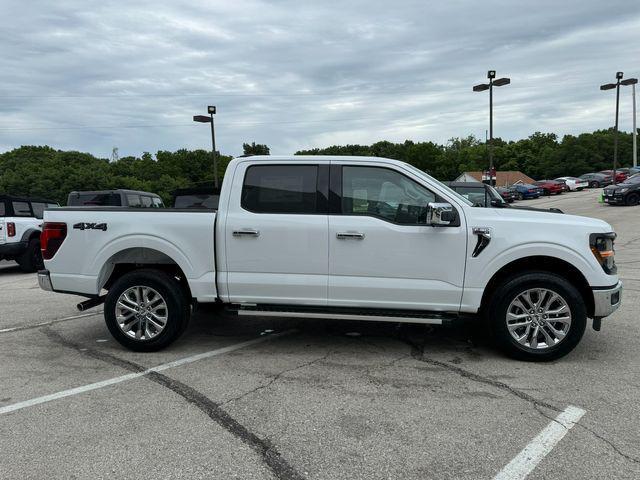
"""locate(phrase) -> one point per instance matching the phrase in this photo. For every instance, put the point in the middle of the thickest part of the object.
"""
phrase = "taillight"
(11, 229)
(52, 236)
(602, 247)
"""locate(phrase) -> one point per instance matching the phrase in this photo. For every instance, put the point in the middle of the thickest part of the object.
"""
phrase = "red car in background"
(621, 176)
(550, 187)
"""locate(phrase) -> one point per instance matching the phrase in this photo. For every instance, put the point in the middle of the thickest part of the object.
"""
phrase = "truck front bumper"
(606, 301)
(44, 280)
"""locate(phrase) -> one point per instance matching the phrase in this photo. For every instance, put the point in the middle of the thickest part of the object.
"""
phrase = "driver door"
(381, 252)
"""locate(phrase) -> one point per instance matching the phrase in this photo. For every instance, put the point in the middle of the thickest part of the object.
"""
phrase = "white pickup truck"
(352, 238)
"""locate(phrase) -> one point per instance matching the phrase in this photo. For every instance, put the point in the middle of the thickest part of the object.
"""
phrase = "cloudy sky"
(294, 74)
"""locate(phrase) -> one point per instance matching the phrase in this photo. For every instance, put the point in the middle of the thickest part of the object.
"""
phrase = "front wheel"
(520, 196)
(146, 310)
(537, 316)
(632, 199)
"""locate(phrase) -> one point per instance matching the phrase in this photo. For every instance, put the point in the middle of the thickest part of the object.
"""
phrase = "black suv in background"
(115, 198)
(626, 193)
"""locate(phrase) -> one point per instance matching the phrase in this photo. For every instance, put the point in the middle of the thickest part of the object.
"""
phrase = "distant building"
(502, 178)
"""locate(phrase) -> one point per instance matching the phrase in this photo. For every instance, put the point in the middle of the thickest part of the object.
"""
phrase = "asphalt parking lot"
(271, 398)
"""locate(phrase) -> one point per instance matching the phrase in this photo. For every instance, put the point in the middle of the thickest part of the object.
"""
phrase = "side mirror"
(440, 214)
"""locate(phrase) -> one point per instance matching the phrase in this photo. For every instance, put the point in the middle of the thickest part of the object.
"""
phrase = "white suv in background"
(20, 227)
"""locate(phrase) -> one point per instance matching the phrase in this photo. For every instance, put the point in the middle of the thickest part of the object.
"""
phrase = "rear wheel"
(520, 196)
(594, 185)
(31, 259)
(537, 316)
(632, 199)
(146, 310)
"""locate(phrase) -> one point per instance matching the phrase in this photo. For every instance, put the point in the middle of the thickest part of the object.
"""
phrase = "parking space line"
(527, 460)
(131, 376)
(49, 322)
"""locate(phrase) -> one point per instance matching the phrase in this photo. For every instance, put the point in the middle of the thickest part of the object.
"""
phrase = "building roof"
(508, 177)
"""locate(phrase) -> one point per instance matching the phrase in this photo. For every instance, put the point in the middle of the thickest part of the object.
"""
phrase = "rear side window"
(281, 189)
(94, 199)
(21, 209)
(146, 201)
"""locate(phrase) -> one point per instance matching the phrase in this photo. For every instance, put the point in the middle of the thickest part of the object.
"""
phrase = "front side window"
(38, 209)
(157, 202)
(474, 195)
(146, 201)
(384, 193)
(280, 189)
(21, 209)
(133, 200)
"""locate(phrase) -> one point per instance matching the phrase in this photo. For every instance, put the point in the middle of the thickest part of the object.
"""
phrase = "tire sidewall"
(633, 196)
(515, 285)
(172, 293)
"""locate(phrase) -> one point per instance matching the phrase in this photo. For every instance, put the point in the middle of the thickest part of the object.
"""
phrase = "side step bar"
(369, 315)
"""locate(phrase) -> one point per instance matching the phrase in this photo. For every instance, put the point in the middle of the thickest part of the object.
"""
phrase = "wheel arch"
(138, 258)
(548, 264)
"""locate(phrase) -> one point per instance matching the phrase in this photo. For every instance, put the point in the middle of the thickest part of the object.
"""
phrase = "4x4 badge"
(91, 226)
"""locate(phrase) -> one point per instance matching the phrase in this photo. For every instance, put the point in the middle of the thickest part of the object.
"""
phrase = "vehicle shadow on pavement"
(7, 268)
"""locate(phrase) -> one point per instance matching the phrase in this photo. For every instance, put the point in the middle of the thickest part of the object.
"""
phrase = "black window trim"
(335, 196)
(322, 187)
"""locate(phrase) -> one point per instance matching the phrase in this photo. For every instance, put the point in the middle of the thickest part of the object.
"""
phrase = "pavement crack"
(267, 451)
(417, 352)
(275, 378)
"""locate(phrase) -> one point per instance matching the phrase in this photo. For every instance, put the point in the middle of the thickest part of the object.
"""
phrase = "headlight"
(602, 247)
(622, 190)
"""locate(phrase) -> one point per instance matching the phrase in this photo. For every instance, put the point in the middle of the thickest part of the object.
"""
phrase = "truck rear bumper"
(44, 280)
(606, 301)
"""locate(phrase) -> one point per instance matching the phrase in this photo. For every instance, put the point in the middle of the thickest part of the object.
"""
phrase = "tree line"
(46, 172)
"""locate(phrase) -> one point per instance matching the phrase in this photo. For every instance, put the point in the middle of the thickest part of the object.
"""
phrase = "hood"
(620, 185)
(540, 216)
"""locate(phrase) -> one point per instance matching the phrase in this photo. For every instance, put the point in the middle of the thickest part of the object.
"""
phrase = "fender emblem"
(91, 226)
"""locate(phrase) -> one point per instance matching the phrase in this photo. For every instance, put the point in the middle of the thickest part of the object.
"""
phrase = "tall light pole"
(632, 82)
(211, 110)
(491, 75)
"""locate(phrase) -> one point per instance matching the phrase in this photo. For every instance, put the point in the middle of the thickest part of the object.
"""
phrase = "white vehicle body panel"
(297, 259)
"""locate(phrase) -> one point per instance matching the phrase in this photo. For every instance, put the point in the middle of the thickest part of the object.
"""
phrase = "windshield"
(449, 190)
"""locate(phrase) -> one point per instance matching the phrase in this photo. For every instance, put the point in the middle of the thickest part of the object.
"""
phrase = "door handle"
(350, 236)
(246, 232)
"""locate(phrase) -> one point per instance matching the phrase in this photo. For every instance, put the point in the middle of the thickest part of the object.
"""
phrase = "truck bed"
(98, 238)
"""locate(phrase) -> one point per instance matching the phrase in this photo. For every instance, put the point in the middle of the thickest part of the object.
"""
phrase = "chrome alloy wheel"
(538, 318)
(141, 313)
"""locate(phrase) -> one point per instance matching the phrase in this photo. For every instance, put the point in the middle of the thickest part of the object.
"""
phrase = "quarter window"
(384, 193)
(21, 209)
(281, 189)
(133, 201)
(38, 209)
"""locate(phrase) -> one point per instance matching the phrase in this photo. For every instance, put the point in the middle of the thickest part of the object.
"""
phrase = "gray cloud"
(93, 75)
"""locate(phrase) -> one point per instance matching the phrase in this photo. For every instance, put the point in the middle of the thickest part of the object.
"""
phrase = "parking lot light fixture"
(611, 86)
(211, 110)
(491, 75)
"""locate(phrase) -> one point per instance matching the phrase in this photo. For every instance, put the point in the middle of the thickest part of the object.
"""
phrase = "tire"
(632, 199)
(520, 196)
(504, 301)
(594, 185)
(31, 260)
(142, 288)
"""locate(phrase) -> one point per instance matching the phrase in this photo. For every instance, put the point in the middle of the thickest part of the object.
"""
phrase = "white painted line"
(131, 376)
(527, 460)
(49, 322)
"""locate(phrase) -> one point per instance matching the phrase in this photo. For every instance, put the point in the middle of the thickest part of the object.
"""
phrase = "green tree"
(255, 149)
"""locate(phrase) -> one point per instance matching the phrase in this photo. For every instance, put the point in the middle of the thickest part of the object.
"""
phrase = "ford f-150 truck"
(352, 238)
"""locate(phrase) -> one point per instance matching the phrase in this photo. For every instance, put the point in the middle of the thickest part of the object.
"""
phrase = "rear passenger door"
(276, 233)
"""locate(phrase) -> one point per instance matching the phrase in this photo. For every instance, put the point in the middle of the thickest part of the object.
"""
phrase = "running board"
(368, 315)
